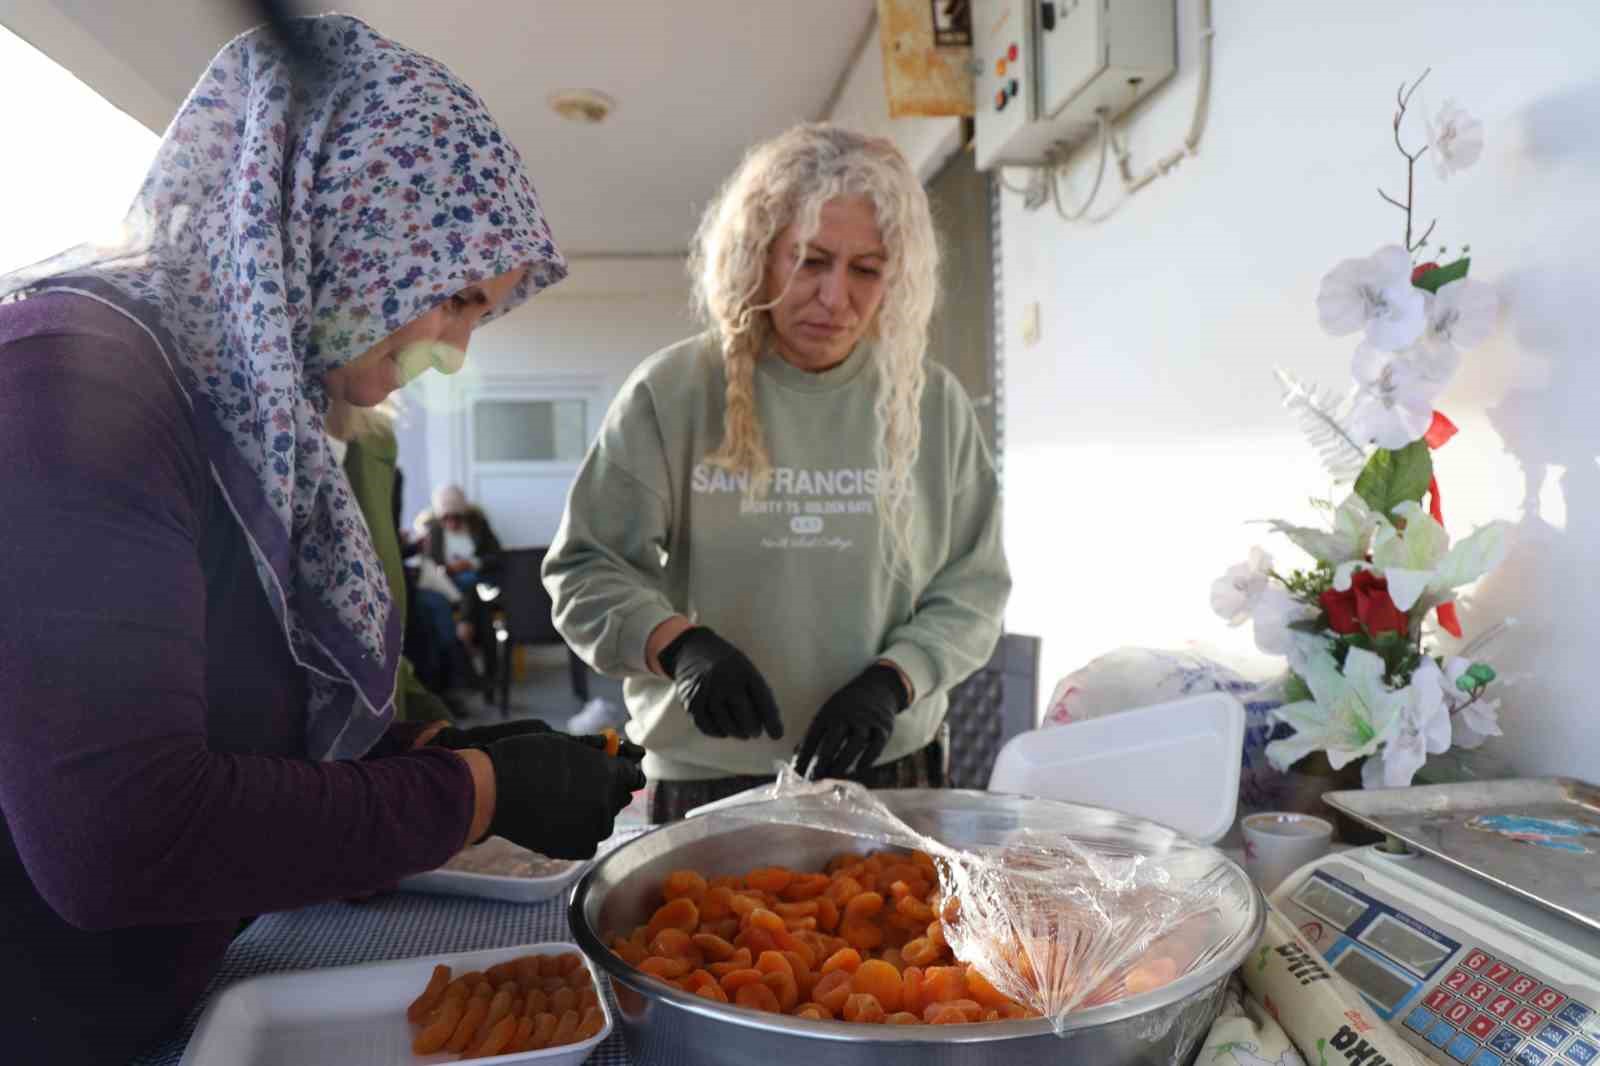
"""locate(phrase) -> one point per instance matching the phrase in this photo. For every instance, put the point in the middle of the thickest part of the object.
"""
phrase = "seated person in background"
(457, 536)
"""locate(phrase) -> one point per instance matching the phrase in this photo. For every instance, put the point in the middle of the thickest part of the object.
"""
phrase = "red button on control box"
(1499, 973)
(1482, 1026)
(1527, 1020)
(1476, 960)
(1502, 1005)
(1458, 980)
(1479, 992)
(1522, 986)
(1438, 1000)
(1459, 1014)
(1012, 53)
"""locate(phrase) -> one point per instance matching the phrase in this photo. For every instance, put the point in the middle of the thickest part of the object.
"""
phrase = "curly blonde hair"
(785, 181)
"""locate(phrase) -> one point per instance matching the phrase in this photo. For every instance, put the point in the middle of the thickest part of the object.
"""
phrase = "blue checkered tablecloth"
(401, 925)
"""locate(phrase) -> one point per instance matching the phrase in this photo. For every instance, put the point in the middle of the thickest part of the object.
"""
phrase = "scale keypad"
(1485, 1012)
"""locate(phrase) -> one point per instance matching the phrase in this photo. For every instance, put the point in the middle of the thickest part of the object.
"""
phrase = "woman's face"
(824, 300)
(440, 336)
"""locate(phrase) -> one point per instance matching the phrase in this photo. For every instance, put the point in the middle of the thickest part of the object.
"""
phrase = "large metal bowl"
(662, 1025)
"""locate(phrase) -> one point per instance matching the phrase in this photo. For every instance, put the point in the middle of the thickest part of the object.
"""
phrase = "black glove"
(482, 736)
(854, 725)
(558, 798)
(724, 692)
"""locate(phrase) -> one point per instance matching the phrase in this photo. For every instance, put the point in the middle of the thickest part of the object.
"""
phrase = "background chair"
(523, 615)
(989, 708)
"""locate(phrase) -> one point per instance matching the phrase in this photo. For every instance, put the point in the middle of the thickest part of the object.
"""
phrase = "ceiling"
(696, 82)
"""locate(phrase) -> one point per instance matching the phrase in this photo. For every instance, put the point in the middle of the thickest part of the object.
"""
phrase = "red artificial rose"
(1341, 608)
(1365, 605)
(1376, 610)
(1421, 269)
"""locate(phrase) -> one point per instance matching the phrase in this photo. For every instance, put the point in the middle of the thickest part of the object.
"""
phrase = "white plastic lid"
(1175, 763)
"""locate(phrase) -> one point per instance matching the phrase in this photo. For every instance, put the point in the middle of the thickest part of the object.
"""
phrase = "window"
(83, 163)
(529, 431)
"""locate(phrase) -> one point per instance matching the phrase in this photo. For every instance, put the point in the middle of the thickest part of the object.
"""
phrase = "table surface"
(400, 925)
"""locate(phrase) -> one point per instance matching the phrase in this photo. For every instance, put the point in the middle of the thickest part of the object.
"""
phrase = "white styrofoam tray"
(444, 882)
(1175, 763)
(352, 1015)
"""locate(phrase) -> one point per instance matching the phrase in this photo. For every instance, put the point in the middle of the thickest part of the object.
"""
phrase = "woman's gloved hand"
(482, 736)
(853, 727)
(556, 797)
(724, 692)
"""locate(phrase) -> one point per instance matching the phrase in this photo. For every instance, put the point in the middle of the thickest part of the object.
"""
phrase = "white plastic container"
(507, 888)
(353, 1015)
(1175, 763)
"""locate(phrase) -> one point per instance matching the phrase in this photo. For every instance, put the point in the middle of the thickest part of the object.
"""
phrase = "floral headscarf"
(295, 216)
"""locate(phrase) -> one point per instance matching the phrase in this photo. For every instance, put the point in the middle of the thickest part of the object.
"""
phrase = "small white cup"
(1277, 843)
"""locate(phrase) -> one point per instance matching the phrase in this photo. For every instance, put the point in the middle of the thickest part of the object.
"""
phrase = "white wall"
(1143, 430)
(597, 325)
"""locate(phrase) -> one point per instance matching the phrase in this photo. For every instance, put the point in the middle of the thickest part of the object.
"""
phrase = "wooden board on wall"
(927, 57)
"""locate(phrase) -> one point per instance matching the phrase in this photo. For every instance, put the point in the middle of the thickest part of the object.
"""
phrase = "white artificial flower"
(1476, 720)
(1456, 140)
(1353, 526)
(1376, 295)
(1272, 614)
(1349, 715)
(1422, 728)
(1420, 562)
(1395, 392)
(1460, 316)
(1234, 594)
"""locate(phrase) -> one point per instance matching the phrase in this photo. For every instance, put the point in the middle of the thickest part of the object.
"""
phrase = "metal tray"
(662, 1024)
(1473, 826)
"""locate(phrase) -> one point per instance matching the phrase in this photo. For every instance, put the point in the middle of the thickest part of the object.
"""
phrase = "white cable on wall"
(1099, 177)
(1132, 183)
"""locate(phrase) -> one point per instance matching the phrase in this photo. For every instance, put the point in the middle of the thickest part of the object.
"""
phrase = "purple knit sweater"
(151, 772)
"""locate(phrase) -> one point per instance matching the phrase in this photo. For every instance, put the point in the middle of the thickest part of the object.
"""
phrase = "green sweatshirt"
(795, 580)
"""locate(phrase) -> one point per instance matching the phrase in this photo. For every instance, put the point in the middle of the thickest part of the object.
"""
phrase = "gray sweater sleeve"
(605, 571)
(958, 617)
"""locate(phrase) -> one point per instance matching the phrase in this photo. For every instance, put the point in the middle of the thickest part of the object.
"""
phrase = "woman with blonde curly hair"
(789, 526)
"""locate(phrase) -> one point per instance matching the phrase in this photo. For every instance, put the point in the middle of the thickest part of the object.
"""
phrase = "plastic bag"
(1053, 923)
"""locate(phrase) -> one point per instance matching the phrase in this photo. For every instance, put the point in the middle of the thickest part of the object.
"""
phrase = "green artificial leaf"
(1295, 690)
(1439, 277)
(1394, 477)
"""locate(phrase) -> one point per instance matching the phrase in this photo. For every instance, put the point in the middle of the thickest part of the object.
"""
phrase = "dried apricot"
(673, 943)
(879, 980)
(832, 990)
(848, 959)
(656, 966)
(685, 884)
(861, 1007)
(712, 947)
(674, 914)
(805, 886)
(769, 879)
(757, 997)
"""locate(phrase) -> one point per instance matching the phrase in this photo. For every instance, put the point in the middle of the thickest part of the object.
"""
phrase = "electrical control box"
(1047, 70)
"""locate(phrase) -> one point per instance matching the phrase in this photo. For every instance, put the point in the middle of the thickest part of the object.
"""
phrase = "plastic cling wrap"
(1056, 923)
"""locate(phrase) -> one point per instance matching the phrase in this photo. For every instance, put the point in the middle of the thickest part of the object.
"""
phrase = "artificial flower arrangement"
(1356, 627)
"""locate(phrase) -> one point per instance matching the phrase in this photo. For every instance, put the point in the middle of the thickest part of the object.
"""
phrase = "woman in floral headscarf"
(198, 647)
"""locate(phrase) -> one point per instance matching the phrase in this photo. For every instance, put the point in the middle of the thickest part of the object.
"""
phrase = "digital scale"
(1480, 944)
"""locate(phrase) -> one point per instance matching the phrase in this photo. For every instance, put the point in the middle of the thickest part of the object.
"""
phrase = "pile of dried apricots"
(863, 941)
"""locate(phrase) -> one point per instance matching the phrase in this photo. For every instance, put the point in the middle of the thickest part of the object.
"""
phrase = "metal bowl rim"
(1167, 995)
